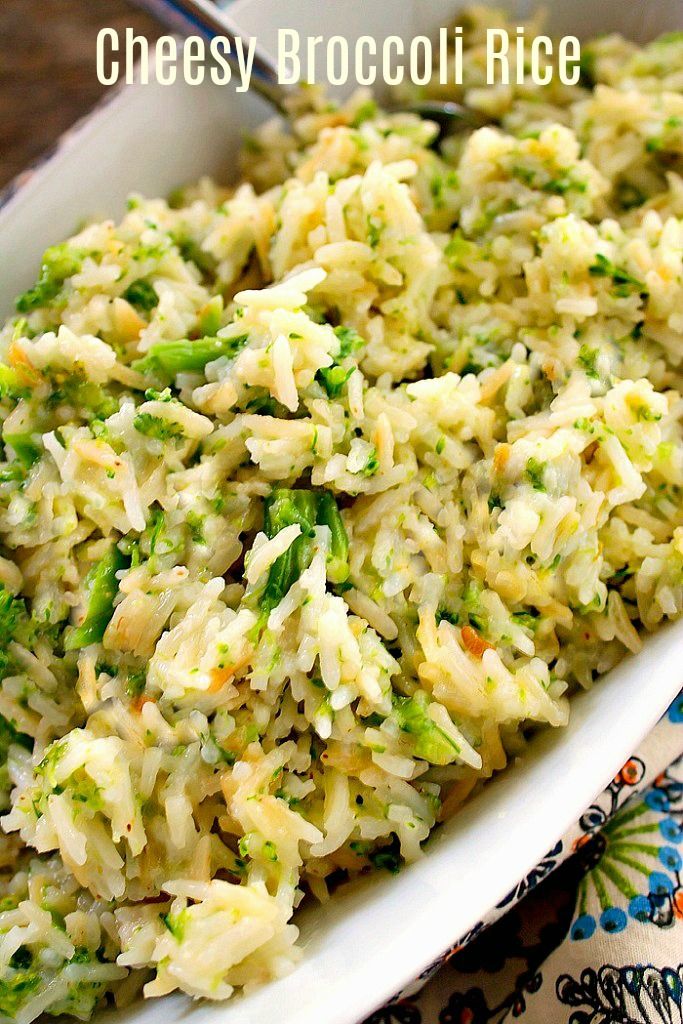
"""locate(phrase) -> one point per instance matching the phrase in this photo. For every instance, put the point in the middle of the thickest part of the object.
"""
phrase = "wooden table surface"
(47, 69)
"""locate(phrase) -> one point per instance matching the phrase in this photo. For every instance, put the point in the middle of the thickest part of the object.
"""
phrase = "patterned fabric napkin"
(594, 935)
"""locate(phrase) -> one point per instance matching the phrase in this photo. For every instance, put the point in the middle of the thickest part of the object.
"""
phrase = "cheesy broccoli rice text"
(315, 494)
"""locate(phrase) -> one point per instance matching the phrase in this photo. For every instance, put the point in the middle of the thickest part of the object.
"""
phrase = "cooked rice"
(275, 598)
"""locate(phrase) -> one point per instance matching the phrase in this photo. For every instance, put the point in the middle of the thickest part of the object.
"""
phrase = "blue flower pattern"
(618, 874)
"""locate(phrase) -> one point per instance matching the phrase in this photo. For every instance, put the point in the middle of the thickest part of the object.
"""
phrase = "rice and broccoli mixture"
(315, 494)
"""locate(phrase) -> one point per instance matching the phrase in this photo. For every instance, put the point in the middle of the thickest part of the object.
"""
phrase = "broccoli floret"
(625, 283)
(102, 587)
(157, 427)
(15, 989)
(25, 446)
(59, 263)
(169, 358)
(534, 472)
(387, 857)
(8, 736)
(142, 295)
(308, 509)
(430, 743)
(333, 378)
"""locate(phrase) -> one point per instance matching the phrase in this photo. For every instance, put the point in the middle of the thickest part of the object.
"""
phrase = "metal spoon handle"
(204, 18)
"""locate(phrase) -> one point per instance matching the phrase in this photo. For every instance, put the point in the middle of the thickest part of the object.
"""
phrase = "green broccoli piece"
(102, 587)
(333, 378)
(12, 613)
(192, 251)
(158, 427)
(534, 473)
(15, 989)
(91, 400)
(329, 515)
(625, 282)
(12, 386)
(430, 743)
(11, 472)
(284, 508)
(308, 509)
(8, 736)
(211, 316)
(25, 447)
(12, 609)
(350, 341)
(59, 263)
(365, 112)
(588, 360)
(387, 857)
(169, 358)
(372, 465)
(142, 295)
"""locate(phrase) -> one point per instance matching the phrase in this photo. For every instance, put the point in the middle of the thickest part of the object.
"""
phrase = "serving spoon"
(204, 18)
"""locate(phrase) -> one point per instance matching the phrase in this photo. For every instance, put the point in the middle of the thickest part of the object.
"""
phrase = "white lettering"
(393, 43)
(497, 45)
(245, 61)
(366, 76)
(165, 60)
(221, 72)
(288, 62)
(569, 60)
(104, 35)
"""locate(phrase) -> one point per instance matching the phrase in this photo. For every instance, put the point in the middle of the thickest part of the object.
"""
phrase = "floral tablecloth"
(594, 935)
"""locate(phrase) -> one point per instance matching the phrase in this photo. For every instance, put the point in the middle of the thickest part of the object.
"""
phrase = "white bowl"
(374, 938)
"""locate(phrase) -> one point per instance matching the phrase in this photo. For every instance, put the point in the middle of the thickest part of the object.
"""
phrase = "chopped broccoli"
(430, 742)
(135, 684)
(365, 112)
(11, 471)
(157, 427)
(25, 447)
(142, 295)
(350, 341)
(211, 316)
(620, 576)
(372, 465)
(387, 857)
(102, 587)
(588, 359)
(625, 282)
(333, 378)
(534, 472)
(628, 195)
(8, 736)
(11, 610)
(176, 923)
(285, 508)
(12, 384)
(192, 251)
(328, 515)
(374, 232)
(308, 509)
(527, 619)
(169, 358)
(59, 263)
(22, 958)
(563, 184)
(15, 988)
(91, 400)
